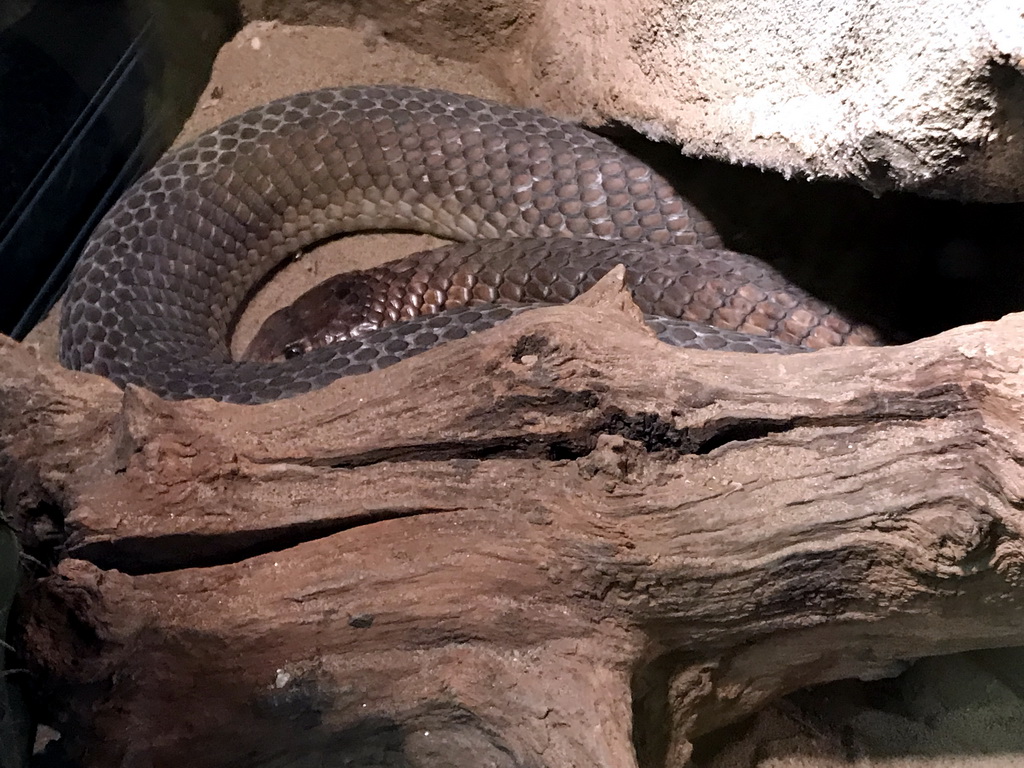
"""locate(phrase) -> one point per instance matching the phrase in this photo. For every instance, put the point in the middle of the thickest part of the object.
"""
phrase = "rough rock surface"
(925, 96)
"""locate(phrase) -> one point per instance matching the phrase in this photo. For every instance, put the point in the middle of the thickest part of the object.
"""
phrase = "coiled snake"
(154, 296)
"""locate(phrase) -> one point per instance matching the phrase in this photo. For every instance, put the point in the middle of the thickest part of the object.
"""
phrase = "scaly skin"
(153, 298)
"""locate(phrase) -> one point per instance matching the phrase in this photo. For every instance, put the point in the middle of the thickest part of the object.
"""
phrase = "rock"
(926, 97)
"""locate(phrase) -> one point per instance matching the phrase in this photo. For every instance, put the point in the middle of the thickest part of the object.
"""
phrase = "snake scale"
(545, 205)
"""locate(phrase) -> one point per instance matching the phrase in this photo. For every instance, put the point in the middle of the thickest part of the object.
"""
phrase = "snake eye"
(293, 350)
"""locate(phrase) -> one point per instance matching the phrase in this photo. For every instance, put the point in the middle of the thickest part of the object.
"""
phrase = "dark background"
(91, 93)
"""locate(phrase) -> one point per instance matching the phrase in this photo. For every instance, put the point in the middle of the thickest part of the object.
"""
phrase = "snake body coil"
(153, 298)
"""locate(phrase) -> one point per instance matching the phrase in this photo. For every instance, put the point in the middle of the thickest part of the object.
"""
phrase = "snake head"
(279, 338)
(340, 308)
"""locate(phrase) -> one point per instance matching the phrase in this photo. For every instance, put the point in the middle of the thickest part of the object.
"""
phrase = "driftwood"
(557, 543)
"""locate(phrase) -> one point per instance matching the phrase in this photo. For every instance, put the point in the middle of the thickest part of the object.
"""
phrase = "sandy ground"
(956, 712)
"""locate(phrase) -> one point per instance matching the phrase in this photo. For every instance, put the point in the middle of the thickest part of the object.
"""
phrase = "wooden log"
(557, 543)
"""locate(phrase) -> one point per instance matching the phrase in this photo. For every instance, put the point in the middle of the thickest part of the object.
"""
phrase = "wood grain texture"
(538, 546)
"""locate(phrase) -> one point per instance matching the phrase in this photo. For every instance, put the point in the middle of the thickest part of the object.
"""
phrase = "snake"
(537, 208)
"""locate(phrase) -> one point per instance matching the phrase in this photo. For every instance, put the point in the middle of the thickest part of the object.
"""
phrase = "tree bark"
(557, 543)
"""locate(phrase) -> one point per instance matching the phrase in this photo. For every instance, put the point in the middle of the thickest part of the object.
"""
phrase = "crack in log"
(142, 555)
(650, 429)
(554, 447)
(656, 434)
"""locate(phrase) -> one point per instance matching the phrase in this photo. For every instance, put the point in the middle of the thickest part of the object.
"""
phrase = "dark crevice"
(41, 535)
(652, 710)
(657, 434)
(906, 264)
(531, 344)
(137, 556)
(728, 431)
(570, 450)
(560, 445)
(732, 430)
(649, 429)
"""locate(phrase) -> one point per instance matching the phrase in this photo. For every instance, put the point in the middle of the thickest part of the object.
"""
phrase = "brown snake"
(154, 297)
